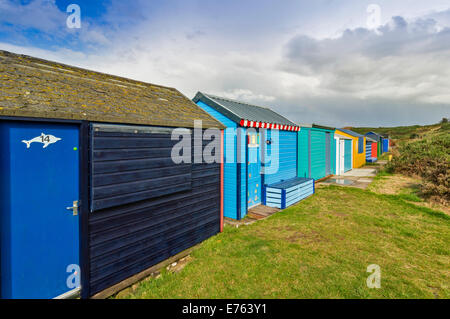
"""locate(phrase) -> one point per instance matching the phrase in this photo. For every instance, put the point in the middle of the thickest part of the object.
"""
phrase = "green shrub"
(430, 159)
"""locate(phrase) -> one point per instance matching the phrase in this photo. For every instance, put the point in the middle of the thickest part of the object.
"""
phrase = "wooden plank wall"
(129, 237)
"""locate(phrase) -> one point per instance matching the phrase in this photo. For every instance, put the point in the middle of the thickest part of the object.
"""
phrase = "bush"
(430, 159)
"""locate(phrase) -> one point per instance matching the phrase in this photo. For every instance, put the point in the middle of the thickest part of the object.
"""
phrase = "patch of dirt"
(285, 228)
(179, 265)
(339, 214)
(393, 185)
(435, 206)
(307, 238)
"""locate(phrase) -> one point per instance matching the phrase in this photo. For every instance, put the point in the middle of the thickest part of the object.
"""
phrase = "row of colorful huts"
(302, 154)
(91, 198)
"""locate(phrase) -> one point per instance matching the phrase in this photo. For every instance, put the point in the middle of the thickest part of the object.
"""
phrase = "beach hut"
(344, 153)
(371, 150)
(359, 142)
(386, 143)
(316, 151)
(90, 192)
(260, 156)
(377, 137)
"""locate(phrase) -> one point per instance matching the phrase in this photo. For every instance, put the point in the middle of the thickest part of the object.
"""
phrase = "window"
(253, 140)
(361, 145)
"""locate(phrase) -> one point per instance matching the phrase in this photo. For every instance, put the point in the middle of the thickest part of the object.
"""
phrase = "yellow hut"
(359, 146)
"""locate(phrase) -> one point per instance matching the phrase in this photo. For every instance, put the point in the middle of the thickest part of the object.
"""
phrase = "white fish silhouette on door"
(45, 139)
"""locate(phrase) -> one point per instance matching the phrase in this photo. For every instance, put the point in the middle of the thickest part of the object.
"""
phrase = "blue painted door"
(39, 166)
(348, 156)
(254, 170)
(385, 145)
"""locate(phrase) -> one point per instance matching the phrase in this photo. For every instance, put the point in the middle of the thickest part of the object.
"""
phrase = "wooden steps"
(261, 212)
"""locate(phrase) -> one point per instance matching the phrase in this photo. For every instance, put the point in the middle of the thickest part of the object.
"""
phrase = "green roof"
(32, 87)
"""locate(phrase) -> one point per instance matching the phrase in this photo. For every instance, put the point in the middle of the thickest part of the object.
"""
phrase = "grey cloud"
(351, 112)
(401, 63)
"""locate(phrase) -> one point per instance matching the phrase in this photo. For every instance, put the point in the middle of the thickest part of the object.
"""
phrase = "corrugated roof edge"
(350, 132)
(324, 127)
(337, 134)
(321, 127)
(203, 97)
(374, 133)
(206, 97)
(220, 125)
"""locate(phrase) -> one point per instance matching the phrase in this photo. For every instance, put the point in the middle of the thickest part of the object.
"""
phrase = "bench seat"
(289, 192)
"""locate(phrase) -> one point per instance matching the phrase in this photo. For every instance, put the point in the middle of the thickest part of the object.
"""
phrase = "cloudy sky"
(339, 63)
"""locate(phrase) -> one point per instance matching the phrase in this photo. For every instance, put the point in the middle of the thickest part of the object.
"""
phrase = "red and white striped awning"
(292, 128)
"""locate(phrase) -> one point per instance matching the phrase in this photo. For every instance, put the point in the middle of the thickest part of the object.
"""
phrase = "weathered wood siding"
(145, 207)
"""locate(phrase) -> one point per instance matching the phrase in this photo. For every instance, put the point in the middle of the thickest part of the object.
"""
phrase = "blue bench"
(371, 159)
(286, 193)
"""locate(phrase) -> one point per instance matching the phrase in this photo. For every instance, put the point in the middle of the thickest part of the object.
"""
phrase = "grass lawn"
(320, 248)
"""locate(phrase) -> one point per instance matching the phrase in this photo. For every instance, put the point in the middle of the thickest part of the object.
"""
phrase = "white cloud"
(38, 14)
(398, 75)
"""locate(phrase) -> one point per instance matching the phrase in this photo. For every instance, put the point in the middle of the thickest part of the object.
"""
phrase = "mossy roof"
(32, 87)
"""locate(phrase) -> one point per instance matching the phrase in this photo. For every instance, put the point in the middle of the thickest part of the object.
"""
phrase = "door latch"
(74, 208)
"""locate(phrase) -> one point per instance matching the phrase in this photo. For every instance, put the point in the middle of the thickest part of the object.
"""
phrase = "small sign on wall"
(45, 139)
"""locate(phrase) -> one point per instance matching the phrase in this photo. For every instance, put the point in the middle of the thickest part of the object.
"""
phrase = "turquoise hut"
(316, 151)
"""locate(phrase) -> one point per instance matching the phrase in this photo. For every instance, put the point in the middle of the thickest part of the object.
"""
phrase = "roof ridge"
(236, 101)
(238, 111)
(46, 89)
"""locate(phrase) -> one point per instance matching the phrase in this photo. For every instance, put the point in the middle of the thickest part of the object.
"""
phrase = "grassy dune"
(320, 248)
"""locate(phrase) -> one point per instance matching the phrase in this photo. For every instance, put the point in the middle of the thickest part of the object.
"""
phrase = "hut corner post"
(221, 178)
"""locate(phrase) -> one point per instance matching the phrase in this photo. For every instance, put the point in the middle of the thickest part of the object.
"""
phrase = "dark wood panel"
(132, 142)
(119, 248)
(116, 222)
(138, 196)
(145, 207)
(142, 185)
(132, 165)
(101, 283)
(125, 177)
(124, 154)
(156, 224)
(112, 217)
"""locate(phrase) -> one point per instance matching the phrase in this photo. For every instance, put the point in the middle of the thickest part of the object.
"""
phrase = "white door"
(341, 156)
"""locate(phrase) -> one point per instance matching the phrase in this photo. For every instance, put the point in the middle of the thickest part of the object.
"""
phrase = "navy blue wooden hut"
(89, 193)
(254, 134)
